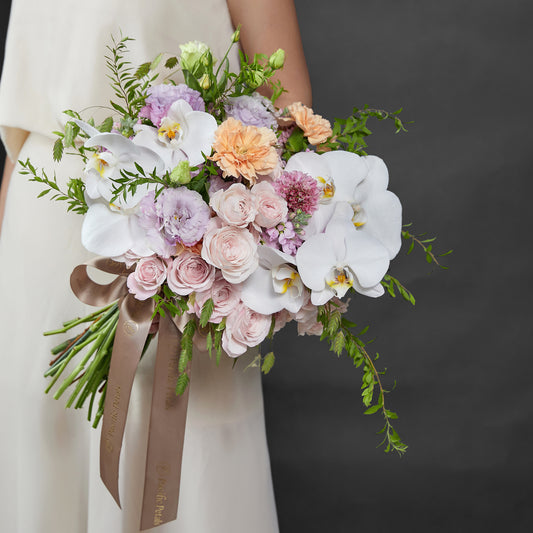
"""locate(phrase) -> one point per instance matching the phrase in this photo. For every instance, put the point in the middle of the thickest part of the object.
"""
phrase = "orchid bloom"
(341, 258)
(275, 284)
(112, 228)
(361, 182)
(184, 134)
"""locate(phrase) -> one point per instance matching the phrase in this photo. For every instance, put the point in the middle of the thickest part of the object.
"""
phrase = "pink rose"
(236, 206)
(149, 275)
(225, 298)
(306, 319)
(271, 208)
(189, 272)
(244, 328)
(233, 250)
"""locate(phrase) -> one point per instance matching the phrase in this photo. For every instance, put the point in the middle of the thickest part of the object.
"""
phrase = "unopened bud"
(277, 59)
(181, 175)
(236, 35)
(204, 82)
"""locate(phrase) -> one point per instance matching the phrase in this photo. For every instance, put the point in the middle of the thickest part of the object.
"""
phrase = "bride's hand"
(267, 25)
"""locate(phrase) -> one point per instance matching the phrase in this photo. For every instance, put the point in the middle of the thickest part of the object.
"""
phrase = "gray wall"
(462, 356)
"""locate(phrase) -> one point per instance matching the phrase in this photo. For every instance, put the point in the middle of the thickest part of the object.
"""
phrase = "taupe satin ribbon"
(168, 412)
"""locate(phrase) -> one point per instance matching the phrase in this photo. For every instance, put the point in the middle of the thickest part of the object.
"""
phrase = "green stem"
(98, 340)
(72, 323)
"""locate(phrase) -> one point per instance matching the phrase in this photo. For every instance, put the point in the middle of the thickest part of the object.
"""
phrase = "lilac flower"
(161, 97)
(253, 110)
(284, 237)
(177, 216)
(300, 191)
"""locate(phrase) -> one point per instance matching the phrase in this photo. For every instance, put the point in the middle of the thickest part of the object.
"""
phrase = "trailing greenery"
(74, 195)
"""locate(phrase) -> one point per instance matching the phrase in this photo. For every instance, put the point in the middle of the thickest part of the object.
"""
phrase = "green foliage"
(74, 195)
(168, 302)
(392, 284)
(268, 362)
(350, 134)
(207, 311)
(425, 244)
(337, 331)
(130, 86)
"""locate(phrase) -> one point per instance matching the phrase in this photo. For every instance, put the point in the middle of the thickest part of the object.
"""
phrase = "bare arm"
(267, 25)
(8, 169)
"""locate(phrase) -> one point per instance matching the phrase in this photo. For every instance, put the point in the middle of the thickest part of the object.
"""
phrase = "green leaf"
(207, 311)
(107, 125)
(171, 62)
(372, 410)
(58, 150)
(181, 384)
(268, 363)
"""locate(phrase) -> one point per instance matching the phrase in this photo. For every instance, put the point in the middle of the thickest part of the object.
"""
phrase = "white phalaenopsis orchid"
(342, 257)
(110, 228)
(183, 134)
(361, 182)
(275, 284)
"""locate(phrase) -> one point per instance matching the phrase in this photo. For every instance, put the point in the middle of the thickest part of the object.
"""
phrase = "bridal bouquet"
(223, 219)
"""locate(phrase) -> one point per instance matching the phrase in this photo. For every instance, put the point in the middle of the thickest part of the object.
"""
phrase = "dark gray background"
(462, 356)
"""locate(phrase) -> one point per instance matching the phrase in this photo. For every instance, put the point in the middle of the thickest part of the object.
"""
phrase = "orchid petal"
(367, 257)
(105, 232)
(384, 214)
(314, 259)
(347, 170)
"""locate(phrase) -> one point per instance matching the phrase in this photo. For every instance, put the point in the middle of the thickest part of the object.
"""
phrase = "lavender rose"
(271, 207)
(225, 296)
(233, 250)
(149, 275)
(244, 328)
(236, 206)
(188, 273)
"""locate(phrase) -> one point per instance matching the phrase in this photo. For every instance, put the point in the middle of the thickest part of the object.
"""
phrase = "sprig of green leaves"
(74, 195)
(338, 332)
(426, 244)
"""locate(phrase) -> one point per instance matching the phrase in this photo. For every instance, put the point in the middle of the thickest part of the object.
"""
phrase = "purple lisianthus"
(253, 110)
(176, 216)
(284, 237)
(161, 97)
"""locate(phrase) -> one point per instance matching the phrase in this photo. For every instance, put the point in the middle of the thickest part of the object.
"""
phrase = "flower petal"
(314, 259)
(105, 232)
(347, 170)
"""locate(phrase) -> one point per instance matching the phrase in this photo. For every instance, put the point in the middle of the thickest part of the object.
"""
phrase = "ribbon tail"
(132, 331)
(166, 434)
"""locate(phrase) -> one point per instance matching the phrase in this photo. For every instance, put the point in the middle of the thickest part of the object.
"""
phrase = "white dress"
(49, 480)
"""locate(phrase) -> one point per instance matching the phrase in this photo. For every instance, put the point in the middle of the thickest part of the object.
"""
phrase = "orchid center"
(359, 218)
(169, 130)
(327, 187)
(340, 279)
(101, 162)
(286, 279)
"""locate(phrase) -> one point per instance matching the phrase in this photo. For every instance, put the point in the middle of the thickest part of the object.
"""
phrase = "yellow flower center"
(169, 129)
